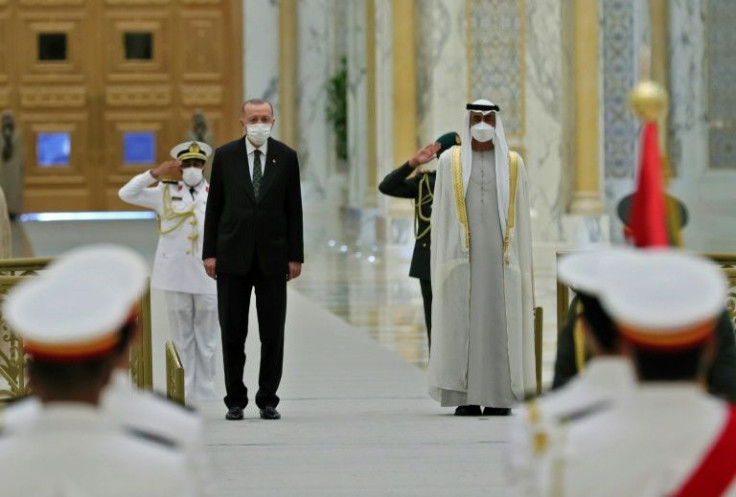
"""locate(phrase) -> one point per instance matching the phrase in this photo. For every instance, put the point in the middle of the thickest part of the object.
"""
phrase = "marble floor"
(357, 419)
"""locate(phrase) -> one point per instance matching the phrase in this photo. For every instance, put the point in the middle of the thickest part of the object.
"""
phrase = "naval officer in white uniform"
(668, 437)
(69, 318)
(191, 296)
(139, 411)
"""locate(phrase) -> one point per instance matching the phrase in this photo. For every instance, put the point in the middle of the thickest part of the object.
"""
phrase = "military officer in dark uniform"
(420, 187)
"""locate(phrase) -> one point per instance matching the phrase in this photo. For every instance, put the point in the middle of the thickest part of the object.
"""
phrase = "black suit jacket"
(239, 227)
(398, 184)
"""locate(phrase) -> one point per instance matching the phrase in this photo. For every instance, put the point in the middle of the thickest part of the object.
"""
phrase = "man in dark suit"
(420, 188)
(253, 238)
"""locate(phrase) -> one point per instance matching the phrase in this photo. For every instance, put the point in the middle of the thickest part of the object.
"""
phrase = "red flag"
(648, 218)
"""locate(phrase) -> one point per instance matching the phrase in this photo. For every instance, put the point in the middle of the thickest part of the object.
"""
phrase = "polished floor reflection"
(371, 291)
(348, 271)
(366, 283)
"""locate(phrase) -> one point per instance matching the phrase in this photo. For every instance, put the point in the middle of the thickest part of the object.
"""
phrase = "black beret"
(448, 140)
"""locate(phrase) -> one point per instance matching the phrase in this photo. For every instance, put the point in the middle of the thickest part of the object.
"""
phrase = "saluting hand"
(166, 168)
(424, 155)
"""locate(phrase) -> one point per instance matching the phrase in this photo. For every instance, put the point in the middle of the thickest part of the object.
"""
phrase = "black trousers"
(233, 302)
(427, 298)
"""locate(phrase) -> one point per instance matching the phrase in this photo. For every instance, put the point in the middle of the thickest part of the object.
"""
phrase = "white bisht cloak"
(450, 272)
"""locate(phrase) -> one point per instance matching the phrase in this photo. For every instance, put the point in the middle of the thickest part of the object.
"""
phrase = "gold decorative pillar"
(586, 196)
(659, 15)
(288, 72)
(404, 81)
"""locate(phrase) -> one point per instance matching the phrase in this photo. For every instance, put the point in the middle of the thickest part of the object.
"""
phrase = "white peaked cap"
(581, 270)
(191, 150)
(76, 307)
(663, 298)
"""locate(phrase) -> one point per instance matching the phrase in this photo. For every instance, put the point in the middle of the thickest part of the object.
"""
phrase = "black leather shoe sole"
(496, 411)
(270, 413)
(234, 414)
(468, 411)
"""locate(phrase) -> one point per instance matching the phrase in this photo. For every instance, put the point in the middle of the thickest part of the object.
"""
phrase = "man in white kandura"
(483, 317)
(191, 295)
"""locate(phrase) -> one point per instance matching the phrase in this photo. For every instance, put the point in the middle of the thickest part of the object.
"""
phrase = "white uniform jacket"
(646, 446)
(142, 412)
(538, 426)
(74, 449)
(150, 414)
(178, 266)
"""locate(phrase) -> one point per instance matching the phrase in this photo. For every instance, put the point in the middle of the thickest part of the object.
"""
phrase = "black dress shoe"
(234, 413)
(467, 411)
(270, 413)
(496, 411)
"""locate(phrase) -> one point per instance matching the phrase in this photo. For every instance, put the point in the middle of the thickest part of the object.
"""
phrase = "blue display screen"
(139, 147)
(53, 149)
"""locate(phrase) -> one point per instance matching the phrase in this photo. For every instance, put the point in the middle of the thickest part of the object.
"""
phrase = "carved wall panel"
(93, 80)
(138, 96)
(51, 3)
(76, 124)
(201, 95)
(35, 23)
(69, 187)
(202, 56)
(117, 124)
(5, 40)
(158, 67)
(56, 97)
(137, 2)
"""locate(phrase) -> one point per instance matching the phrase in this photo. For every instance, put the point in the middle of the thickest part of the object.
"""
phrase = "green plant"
(337, 108)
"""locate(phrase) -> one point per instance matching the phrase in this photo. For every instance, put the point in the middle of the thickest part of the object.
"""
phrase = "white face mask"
(258, 133)
(192, 176)
(482, 132)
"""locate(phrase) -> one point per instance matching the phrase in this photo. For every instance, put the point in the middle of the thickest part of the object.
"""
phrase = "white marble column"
(261, 52)
(442, 67)
(547, 154)
(688, 93)
(315, 42)
(357, 104)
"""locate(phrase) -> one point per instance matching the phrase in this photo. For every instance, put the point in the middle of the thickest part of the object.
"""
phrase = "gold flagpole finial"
(648, 100)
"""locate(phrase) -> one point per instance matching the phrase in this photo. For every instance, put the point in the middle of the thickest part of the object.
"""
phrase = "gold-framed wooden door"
(102, 89)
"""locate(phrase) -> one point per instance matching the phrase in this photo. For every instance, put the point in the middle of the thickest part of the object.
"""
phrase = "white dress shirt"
(251, 156)
(124, 405)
